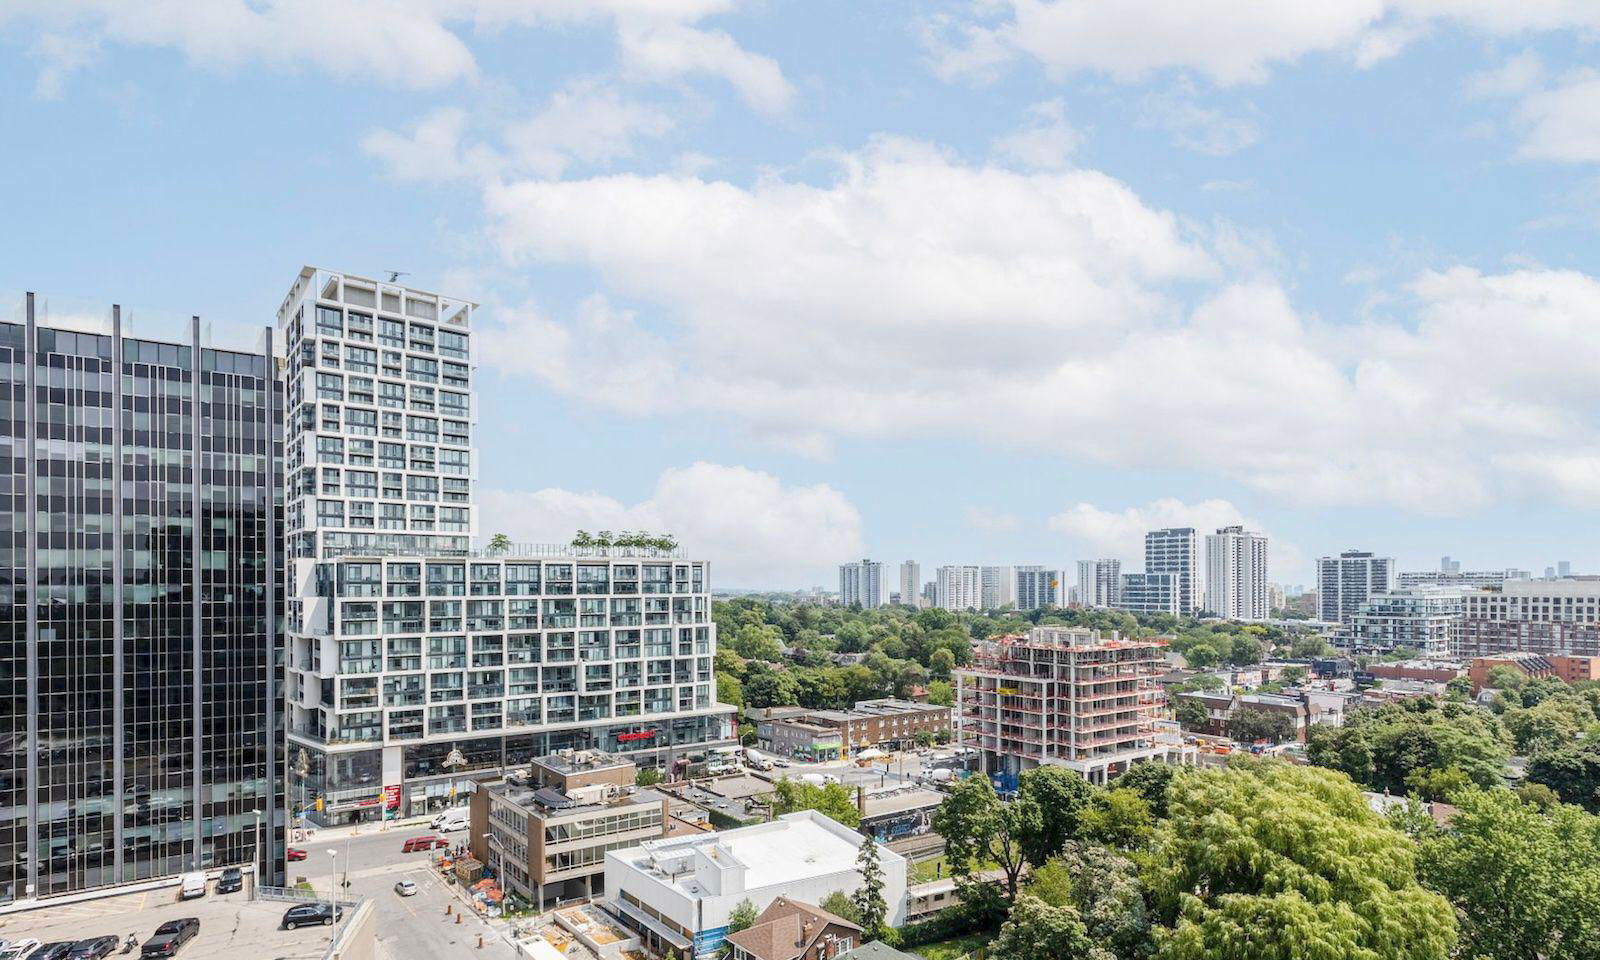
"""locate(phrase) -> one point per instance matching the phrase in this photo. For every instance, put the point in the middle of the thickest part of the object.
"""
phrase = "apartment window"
(454, 462)
(455, 374)
(453, 344)
(422, 399)
(330, 386)
(330, 450)
(330, 321)
(422, 488)
(425, 370)
(362, 423)
(359, 327)
(456, 490)
(391, 395)
(422, 428)
(392, 333)
(360, 390)
(453, 403)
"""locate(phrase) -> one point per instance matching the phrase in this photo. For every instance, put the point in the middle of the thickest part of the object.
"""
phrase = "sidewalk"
(316, 834)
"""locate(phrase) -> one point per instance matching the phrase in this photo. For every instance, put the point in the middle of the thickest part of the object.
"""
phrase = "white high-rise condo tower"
(412, 660)
(861, 584)
(1236, 574)
(1099, 583)
(999, 587)
(911, 584)
(960, 588)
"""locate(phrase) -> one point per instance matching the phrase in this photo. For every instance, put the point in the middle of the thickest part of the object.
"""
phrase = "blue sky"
(993, 281)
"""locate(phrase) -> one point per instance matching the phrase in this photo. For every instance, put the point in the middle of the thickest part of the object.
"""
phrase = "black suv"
(306, 914)
(170, 937)
(231, 881)
(93, 949)
(52, 951)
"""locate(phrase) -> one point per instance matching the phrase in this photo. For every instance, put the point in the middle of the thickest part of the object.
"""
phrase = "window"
(455, 374)
(330, 321)
(361, 483)
(425, 370)
(392, 333)
(392, 456)
(453, 344)
(391, 395)
(422, 428)
(363, 423)
(454, 462)
(330, 386)
(360, 359)
(330, 450)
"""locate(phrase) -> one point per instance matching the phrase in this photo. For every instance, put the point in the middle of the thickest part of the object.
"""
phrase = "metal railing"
(300, 895)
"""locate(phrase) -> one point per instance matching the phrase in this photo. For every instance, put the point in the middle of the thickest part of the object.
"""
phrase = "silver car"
(406, 888)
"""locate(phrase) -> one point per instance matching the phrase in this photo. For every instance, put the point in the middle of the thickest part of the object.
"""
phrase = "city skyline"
(1282, 344)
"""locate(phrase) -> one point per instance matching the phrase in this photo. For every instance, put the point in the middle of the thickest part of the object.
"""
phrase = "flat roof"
(582, 761)
(901, 800)
(792, 848)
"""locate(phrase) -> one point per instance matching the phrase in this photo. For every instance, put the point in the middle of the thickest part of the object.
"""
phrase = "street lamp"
(451, 762)
(302, 769)
(333, 901)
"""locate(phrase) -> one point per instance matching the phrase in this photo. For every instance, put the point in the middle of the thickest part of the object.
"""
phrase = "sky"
(974, 281)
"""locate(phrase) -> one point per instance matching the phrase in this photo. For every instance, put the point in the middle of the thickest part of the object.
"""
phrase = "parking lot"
(230, 925)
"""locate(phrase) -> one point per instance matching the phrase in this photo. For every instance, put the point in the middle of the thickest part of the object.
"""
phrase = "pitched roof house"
(791, 930)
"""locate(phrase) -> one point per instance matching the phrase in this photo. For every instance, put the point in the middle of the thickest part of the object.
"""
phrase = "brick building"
(887, 722)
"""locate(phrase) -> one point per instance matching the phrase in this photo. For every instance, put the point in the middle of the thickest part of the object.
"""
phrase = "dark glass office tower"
(141, 510)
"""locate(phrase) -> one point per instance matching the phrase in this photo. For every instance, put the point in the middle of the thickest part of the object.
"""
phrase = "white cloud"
(990, 520)
(755, 530)
(1563, 121)
(1054, 312)
(416, 44)
(1519, 74)
(1045, 142)
(432, 149)
(1195, 127)
(61, 55)
(1226, 41)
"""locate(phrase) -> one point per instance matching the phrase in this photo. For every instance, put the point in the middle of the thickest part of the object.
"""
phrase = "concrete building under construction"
(1069, 697)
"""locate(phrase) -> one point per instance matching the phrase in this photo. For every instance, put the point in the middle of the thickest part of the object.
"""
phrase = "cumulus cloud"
(1044, 142)
(416, 44)
(1562, 122)
(1194, 126)
(1226, 41)
(1051, 311)
(756, 530)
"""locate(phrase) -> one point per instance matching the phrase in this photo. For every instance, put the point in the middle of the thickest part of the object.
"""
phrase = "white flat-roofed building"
(1346, 582)
(1545, 617)
(1038, 587)
(1420, 619)
(1099, 582)
(680, 893)
(1236, 574)
(999, 587)
(911, 584)
(861, 584)
(960, 588)
(1150, 593)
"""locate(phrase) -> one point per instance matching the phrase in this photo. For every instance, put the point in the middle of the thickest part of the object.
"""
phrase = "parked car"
(406, 888)
(780, 762)
(309, 914)
(231, 881)
(170, 937)
(19, 949)
(93, 949)
(52, 951)
(430, 842)
(295, 853)
(193, 885)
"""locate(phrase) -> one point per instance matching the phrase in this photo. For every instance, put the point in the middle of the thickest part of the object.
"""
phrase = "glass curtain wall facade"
(141, 504)
(413, 660)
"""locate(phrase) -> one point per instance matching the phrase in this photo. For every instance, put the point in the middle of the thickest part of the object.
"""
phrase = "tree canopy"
(1383, 747)
(1269, 860)
(833, 800)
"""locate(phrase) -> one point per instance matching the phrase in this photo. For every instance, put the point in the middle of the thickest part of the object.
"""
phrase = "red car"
(295, 853)
(424, 843)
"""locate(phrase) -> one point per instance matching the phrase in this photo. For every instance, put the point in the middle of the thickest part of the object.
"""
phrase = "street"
(408, 927)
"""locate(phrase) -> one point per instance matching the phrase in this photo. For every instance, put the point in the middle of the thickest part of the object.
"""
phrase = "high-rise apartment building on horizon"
(1346, 582)
(138, 695)
(1037, 587)
(1099, 582)
(1236, 574)
(414, 661)
(911, 583)
(861, 584)
(960, 588)
(1176, 551)
(999, 587)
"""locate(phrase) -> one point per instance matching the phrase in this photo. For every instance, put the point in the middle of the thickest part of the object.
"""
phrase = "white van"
(449, 820)
(194, 885)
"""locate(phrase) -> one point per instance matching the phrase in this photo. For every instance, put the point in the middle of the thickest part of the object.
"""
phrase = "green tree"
(1118, 818)
(770, 688)
(840, 905)
(498, 544)
(1049, 807)
(743, 916)
(941, 662)
(1244, 650)
(1525, 884)
(870, 905)
(1572, 771)
(647, 776)
(1428, 783)
(832, 800)
(1150, 780)
(1549, 724)
(1381, 747)
(977, 828)
(1051, 883)
(1192, 714)
(1505, 677)
(1038, 931)
(729, 689)
(1202, 656)
(1248, 725)
(1308, 648)
(1107, 893)
(1265, 860)
(941, 693)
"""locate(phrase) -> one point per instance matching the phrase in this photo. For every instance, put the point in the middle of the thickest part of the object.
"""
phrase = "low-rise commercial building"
(887, 722)
(1534, 666)
(545, 832)
(679, 894)
(898, 811)
(1222, 708)
(800, 739)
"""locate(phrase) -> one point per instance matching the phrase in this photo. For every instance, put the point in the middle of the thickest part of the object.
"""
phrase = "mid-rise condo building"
(1099, 582)
(960, 588)
(861, 584)
(1038, 587)
(142, 494)
(1067, 697)
(1420, 619)
(1545, 617)
(414, 660)
(1150, 593)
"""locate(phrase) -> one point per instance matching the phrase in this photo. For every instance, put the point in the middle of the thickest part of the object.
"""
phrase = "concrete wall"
(358, 940)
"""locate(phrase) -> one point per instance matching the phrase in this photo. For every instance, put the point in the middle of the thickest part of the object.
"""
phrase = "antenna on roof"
(395, 275)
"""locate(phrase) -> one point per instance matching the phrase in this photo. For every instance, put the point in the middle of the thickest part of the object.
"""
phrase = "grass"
(937, 868)
(955, 947)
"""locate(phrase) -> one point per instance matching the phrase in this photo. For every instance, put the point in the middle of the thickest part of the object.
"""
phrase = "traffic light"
(319, 803)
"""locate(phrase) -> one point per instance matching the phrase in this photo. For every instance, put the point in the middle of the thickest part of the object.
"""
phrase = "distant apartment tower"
(139, 701)
(1099, 582)
(1149, 593)
(911, 583)
(960, 588)
(1066, 697)
(413, 660)
(861, 584)
(1545, 617)
(1037, 587)
(1345, 582)
(999, 587)
(1236, 574)
(1176, 551)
